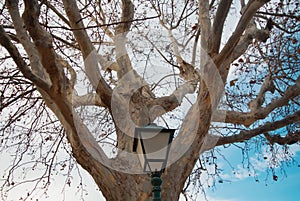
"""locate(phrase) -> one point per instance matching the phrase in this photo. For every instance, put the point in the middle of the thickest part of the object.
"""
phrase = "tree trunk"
(185, 150)
(122, 178)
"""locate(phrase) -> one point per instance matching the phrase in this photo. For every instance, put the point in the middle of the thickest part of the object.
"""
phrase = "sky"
(239, 187)
(242, 187)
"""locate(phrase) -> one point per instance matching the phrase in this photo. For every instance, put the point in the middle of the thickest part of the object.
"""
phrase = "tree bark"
(131, 103)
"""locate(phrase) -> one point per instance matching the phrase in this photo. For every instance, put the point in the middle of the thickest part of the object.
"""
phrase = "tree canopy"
(77, 77)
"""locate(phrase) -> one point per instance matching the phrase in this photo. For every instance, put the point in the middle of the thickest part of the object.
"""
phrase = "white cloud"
(295, 149)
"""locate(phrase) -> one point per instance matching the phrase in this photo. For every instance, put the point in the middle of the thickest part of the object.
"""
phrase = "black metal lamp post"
(152, 144)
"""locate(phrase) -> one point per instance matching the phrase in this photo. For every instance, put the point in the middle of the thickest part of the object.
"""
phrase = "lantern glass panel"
(155, 166)
(155, 146)
(140, 153)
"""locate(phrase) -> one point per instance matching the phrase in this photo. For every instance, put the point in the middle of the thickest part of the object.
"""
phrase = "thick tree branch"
(218, 24)
(251, 33)
(195, 46)
(43, 42)
(268, 85)
(204, 22)
(126, 18)
(121, 31)
(289, 139)
(166, 104)
(25, 40)
(210, 75)
(189, 141)
(249, 11)
(91, 57)
(84, 146)
(88, 99)
(78, 28)
(257, 112)
(267, 127)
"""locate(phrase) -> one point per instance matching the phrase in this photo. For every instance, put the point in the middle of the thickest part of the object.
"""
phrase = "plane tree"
(79, 76)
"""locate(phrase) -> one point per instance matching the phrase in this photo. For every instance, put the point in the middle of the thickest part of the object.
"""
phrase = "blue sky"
(245, 188)
(286, 188)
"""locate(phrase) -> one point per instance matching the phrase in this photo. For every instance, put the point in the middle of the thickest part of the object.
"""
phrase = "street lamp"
(152, 144)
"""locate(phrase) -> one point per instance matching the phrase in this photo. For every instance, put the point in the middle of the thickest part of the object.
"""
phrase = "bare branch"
(43, 42)
(289, 139)
(121, 31)
(166, 104)
(249, 11)
(205, 24)
(187, 71)
(268, 85)
(245, 135)
(297, 17)
(48, 4)
(78, 28)
(88, 51)
(104, 26)
(218, 24)
(126, 18)
(2, 106)
(18, 59)
(88, 99)
(257, 112)
(26, 41)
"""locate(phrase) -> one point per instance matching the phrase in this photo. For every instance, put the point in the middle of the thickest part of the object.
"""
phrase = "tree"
(86, 73)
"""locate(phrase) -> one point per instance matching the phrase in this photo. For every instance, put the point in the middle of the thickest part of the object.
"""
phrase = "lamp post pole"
(156, 183)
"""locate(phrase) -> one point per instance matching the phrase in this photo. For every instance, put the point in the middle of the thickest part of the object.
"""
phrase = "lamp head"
(152, 144)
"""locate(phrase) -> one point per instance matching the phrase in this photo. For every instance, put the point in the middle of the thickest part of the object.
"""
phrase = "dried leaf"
(232, 82)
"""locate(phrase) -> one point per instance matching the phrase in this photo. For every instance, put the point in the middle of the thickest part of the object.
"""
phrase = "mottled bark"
(131, 103)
